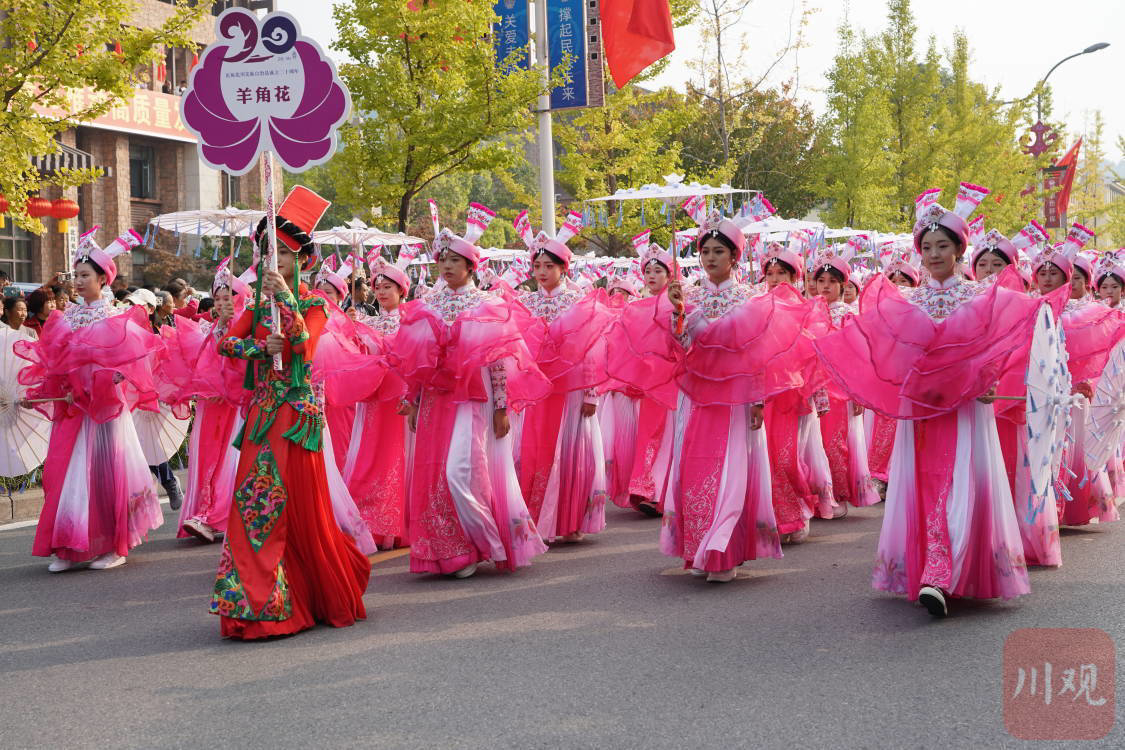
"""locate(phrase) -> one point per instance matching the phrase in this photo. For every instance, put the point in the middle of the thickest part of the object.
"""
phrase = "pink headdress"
(224, 278)
(650, 252)
(1063, 255)
(839, 256)
(775, 251)
(1110, 262)
(625, 282)
(929, 214)
(89, 250)
(557, 246)
(899, 259)
(990, 241)
(714, 224)
(395, 272)
(476, 221)
(336, 275)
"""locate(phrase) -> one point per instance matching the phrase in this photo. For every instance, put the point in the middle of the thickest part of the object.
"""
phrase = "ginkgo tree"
(54, 48)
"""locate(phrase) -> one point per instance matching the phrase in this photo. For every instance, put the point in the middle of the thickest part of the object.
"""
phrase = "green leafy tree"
(629, 142)
(1091, 197)
(52, 49)
(429, 97)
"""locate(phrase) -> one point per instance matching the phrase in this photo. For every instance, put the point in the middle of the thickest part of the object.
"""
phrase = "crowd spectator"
(15, 312)
(165, 310)
(4, 280)
(205, 306)
(40, 304)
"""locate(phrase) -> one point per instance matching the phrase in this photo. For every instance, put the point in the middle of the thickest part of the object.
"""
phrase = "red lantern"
(3, 210)
(38, 207)
(64, 209)
(161, 72)
(118, 51)
(32, 45)
(194, 59)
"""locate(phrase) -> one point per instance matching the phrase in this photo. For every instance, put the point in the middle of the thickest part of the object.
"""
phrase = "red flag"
(635, 34)
(1070, 161)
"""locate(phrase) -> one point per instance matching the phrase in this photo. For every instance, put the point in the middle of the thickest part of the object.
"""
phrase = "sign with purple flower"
(260, 87)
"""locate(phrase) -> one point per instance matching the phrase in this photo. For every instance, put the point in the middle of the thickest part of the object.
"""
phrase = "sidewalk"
(26, 505)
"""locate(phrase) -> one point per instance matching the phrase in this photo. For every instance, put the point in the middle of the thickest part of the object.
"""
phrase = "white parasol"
(673, 189)
(24, 433)
(160, 432)
(1105, 424)
(356, 235)
(1049, 402)
(217, 222)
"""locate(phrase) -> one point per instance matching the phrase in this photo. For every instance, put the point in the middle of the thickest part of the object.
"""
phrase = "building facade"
(150, 166)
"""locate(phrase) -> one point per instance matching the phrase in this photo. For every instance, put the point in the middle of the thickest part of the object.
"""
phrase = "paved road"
(604, 644)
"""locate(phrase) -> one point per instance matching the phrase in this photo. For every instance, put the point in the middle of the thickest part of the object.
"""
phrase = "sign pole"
(271, 257)
(546, 138)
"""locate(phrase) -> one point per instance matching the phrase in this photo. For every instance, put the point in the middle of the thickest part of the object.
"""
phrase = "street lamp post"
(1044, 135)
(1043, 81)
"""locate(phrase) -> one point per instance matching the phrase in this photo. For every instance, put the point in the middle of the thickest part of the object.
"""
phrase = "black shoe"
(175, 496)
(933, 600)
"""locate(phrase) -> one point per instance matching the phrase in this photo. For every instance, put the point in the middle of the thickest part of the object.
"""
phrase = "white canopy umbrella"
(24, 433)
(217, 222)
(1049, 403)
(1105, 424)
(672, 190)
(355, 234)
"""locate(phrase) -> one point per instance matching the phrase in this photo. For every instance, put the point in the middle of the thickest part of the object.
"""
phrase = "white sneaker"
(840, 510)
(725, 576)
(933, 600)
(465, 572)
(58, 565)
(697, 572)
(800, 534)
(199, 530)
(107, 561)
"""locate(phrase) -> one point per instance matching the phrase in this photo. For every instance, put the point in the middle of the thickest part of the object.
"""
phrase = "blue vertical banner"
(566, 33)
(512, 33)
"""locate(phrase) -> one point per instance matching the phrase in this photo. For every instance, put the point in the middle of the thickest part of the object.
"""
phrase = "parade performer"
(1110, 277)
(285, 564)
(375, 467)
(617, 410)
(740, 350)
(1092, 331)
(794, 501)
(992, 253)
(93, 365)
(332, 284)
(632, 364)
(845, 441)
(931, 357)
(465, 363)
(220, 399)
(561, 458)
(902, 265)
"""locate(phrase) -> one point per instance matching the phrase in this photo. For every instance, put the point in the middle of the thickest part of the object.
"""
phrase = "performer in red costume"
(285, 565)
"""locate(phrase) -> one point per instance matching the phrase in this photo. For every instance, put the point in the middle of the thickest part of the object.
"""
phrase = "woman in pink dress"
(462, 355)
(93, 365)
(902, 266)
(845, 441)
(220, 401)
(375, 466)
(619, 404)
(331, 283)
(741, 350)
(1092, 331)
(931, 357)
(561, 457)
(794, 499)
(1039, 530)
(636, 367)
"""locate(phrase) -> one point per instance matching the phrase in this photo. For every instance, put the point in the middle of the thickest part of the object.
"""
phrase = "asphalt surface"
(602, 644)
